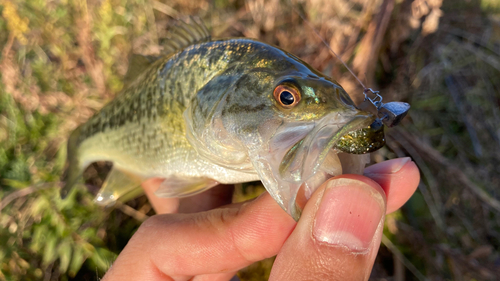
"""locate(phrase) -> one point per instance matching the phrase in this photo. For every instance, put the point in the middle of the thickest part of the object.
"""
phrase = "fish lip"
(310, 151)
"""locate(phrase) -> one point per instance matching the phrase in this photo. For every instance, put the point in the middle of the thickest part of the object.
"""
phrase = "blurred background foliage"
(61, 60)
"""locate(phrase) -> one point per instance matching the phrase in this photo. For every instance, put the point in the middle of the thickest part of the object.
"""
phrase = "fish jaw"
(300, 156)
(292, 196)
(303, 160)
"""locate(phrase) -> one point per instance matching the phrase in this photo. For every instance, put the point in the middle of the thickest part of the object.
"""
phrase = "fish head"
(288, 128)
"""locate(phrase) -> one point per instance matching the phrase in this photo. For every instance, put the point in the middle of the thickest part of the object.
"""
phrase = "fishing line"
(329, 48)
(390, 113)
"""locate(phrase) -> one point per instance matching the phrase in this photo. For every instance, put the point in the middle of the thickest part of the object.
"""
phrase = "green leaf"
(49, 251)
(103, 258)
(79, 256)
(16, 183)
(40, 205)
(39, 237)
(64, 250)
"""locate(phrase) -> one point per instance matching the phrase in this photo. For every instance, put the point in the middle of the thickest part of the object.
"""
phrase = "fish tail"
(73, 167)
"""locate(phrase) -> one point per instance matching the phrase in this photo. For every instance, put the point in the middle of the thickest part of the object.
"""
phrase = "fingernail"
(388, 167)
(349, 214)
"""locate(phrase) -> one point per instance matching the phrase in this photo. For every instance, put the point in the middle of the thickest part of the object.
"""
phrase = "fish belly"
(155, 151)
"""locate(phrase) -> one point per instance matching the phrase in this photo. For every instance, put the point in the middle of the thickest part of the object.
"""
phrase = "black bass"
(224, 111)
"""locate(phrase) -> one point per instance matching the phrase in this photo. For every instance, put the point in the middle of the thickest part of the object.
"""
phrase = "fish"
(224, 111)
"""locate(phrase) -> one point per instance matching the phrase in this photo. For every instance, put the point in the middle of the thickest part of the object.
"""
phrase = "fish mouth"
(300, 157)
(303, 159)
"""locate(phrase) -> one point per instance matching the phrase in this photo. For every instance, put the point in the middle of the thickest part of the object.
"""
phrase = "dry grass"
(61, 61)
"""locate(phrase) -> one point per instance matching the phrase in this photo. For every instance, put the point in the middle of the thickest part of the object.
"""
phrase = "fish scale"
(119, 128)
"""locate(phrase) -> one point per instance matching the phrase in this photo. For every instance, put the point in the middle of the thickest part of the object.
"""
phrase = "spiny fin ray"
(184, 34)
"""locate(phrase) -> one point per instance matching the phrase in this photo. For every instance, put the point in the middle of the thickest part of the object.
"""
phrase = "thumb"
(338, 235)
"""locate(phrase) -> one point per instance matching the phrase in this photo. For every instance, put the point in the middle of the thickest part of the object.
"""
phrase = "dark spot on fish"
(237, 108)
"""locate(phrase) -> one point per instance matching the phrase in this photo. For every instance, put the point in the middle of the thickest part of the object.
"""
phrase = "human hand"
(336, 238)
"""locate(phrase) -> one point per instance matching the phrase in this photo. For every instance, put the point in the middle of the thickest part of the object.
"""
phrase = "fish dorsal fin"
(183, 34)
(180, 35)
(137, 65)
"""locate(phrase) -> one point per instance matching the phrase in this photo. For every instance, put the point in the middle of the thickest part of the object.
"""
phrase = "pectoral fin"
(119, 184)
(178, 186)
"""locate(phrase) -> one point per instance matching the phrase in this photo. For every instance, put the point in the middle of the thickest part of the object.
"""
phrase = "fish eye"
(286, 96)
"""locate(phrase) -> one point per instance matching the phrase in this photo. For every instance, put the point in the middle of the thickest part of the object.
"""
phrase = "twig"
(452, 170)
(148, 8)
(129, 211)
(456, 93)
(399, 268)
(164, 8)
(395, 251)
(8, 46)
(463, 261)
(434, 201)
(365, 60)
(48, 272)
(489, 59)
(23, 192)
(328, 46)
(93, 65)
(469, 37)
(351, 45)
